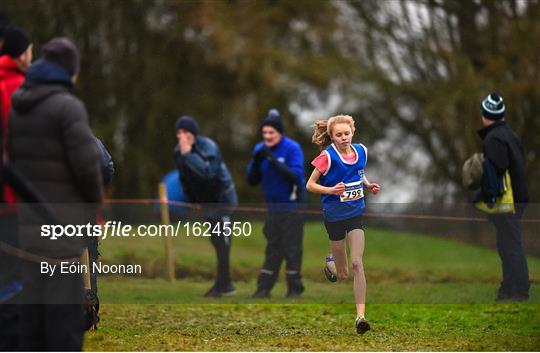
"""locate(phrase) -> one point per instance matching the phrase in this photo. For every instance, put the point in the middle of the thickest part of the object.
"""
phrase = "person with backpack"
(503, 151)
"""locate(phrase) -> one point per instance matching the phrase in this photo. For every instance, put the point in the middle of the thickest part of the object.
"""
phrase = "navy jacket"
(204, 175)
(504, 150)
(281, 171)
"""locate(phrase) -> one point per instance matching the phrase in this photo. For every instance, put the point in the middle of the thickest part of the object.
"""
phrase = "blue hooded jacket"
(281, 172)
(204, 176)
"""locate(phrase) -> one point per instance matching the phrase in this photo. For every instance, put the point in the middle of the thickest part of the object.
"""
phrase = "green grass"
(424, 293)
(311, 327)
(158, 291)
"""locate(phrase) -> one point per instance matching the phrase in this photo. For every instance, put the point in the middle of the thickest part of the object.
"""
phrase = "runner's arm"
(315, 187)
(371, 187)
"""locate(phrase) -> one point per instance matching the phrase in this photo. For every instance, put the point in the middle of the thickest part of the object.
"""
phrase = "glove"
(261, 154)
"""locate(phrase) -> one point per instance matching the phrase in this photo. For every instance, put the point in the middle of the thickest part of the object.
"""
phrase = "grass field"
(316, 328)
(424, 293)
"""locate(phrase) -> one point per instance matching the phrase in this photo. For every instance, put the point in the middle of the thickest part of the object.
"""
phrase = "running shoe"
(327, 273)
(362, 325)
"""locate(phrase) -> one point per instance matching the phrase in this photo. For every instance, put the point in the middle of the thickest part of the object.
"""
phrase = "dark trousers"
(10, 283)
(284, 232)
(51, 315)
(9, 322)
(515, 274)
(51, 327)
(222, 245)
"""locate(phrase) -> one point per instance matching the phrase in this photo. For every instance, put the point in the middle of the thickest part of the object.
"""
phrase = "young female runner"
(339, 178)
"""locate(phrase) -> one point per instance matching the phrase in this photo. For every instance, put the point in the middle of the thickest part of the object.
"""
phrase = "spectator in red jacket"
(15, 58)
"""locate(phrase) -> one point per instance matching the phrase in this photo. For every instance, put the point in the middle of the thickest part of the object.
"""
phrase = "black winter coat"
(50, 142)
(504, 149)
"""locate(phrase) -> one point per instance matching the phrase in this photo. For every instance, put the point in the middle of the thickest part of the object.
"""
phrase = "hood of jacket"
(31, 94)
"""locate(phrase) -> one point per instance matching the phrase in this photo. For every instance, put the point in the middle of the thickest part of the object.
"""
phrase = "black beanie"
(62, 51)
(493, 107)
(16, 41)
(187, 123)
(274, 120)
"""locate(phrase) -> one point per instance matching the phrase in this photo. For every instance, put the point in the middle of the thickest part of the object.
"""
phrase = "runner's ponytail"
(320, 135)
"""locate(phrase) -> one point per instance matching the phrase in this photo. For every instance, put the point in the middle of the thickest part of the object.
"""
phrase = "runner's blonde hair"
(323, 129)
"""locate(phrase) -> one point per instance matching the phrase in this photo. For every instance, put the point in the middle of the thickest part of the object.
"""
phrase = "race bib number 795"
(353, 191)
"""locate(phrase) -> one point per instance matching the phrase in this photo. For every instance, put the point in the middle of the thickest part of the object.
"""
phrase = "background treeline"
(411, 72)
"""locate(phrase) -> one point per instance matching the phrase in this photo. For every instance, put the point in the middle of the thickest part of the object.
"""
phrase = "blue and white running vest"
(351, 203)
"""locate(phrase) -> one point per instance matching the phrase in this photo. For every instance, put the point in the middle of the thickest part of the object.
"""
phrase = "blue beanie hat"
(274, 120)
(187, 123)
(493, 107)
